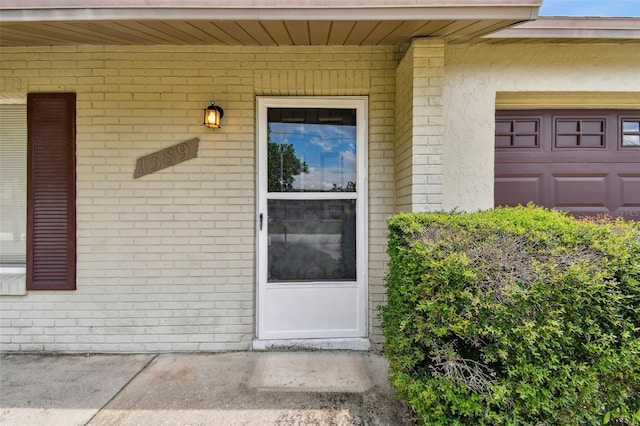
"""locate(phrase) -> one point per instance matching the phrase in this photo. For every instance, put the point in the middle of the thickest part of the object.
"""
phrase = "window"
(13, 190)
(580, 132)
(630, 132)
(520, 133)
(311, 151)
(37, 194)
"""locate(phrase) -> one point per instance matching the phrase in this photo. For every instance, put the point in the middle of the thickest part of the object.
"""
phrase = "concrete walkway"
(240, 388)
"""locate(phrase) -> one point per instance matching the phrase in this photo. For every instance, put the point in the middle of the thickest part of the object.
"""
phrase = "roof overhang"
(571, 30)
(254, 22)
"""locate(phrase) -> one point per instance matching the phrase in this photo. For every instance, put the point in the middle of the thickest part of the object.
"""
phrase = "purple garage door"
(582, 161)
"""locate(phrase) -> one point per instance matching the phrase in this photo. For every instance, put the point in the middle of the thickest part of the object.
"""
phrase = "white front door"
(311, 214)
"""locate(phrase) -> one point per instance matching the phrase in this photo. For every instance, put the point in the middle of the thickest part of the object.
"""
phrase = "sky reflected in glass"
(328, 149)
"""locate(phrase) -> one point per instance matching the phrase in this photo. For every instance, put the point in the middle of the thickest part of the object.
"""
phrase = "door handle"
(261, 218)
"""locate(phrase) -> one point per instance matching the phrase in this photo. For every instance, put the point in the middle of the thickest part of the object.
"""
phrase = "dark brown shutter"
(51, 193)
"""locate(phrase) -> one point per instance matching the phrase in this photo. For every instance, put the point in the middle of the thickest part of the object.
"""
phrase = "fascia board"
(279, 10)
(573, 28)
(256, 4)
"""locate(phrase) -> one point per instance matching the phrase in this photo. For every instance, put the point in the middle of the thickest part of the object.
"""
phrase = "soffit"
(252, 23)
(570, 30)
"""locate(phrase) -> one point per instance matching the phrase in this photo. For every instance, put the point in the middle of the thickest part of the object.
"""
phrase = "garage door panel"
(583, 161)
(579, 191)
(629, 190)
(514, 190)
(567, 156)
(579, 142)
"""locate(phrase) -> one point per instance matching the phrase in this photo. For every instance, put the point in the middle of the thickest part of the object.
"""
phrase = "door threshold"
(352, 344)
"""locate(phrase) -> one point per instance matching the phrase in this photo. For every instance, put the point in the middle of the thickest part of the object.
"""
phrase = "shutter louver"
(51, 228)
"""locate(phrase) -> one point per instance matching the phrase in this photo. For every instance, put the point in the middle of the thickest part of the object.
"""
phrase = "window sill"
(13, 284)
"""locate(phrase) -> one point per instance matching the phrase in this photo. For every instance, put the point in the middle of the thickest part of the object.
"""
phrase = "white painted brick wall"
(427, 132)
(167, 262)
(420, 127)
(404, 132)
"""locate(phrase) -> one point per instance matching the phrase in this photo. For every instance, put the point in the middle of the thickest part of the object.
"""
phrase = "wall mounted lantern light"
(212, 116)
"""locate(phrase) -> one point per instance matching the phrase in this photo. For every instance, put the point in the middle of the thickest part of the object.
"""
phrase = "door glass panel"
(312, 240)
(311, 150)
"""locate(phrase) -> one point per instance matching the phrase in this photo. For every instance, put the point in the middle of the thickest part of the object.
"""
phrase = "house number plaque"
(167, 157)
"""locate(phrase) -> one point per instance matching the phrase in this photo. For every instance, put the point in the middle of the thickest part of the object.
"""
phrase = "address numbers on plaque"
(167, 157)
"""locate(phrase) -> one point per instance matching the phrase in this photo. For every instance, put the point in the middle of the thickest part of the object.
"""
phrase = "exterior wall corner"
(420, 126)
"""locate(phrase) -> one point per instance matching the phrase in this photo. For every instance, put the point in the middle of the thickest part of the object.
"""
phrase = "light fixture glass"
(212, 116)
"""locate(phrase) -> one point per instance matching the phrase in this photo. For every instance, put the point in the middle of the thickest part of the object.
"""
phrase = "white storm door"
(312, 280)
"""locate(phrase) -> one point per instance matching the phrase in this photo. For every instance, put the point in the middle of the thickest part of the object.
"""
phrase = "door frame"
(360, 104)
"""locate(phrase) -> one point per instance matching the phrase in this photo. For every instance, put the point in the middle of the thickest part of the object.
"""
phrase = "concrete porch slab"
(241, 388)
(61, 389)
(216, 389)
(310, 372)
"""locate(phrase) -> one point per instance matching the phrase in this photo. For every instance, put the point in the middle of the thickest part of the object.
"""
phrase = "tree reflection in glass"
(311, 150)
(312, 238)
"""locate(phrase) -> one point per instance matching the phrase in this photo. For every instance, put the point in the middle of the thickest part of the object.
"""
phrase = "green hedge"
(516, 316)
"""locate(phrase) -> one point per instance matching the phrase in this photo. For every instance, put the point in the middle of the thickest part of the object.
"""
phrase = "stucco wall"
(167, 262)
(473, 76)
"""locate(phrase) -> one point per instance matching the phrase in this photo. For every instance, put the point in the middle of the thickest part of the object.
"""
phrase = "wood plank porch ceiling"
(243, 33)
(254, 23)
